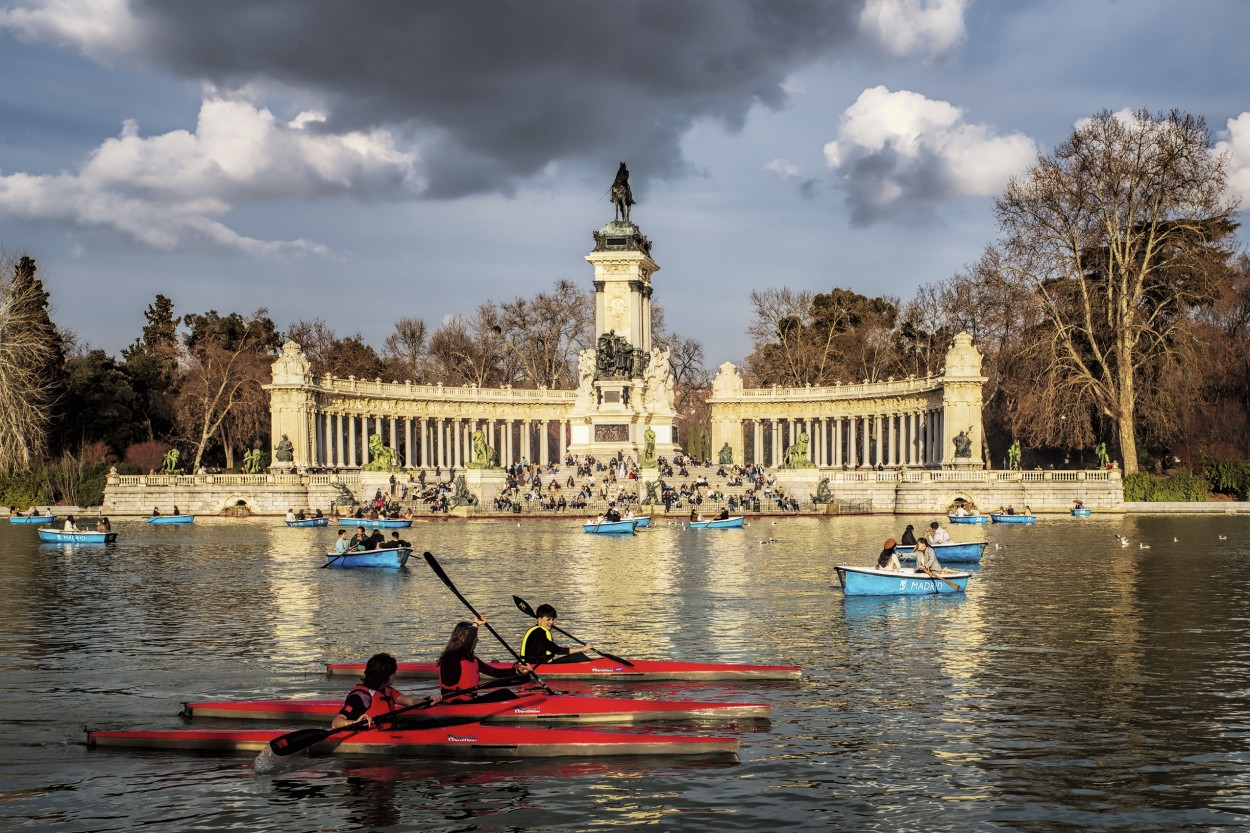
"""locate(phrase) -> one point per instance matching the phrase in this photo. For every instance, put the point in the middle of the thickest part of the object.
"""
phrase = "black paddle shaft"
(525, 608)
(301, 739)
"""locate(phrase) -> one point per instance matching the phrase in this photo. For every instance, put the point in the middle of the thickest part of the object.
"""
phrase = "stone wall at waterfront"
(926, 491)
(907, 491)
(225, 494)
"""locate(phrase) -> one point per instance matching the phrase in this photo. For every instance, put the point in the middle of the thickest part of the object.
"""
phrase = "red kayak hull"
(600, 668)
(470, 740)
(528, 708)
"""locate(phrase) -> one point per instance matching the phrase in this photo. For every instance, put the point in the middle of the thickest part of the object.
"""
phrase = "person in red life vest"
(459, 667)
(538, 647)
(375, 693)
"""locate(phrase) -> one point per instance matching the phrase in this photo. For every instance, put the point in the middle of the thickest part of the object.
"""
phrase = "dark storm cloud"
(495, 91)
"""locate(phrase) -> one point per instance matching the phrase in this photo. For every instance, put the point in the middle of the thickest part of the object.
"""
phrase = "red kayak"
(642, 669)
(468, 740)
(534, 707)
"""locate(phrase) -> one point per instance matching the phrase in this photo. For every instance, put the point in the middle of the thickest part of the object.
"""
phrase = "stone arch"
(236, 505)
(960, 497)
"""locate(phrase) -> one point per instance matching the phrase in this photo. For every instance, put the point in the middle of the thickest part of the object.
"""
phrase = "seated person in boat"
(69, 524)
(360, 513)
(937, 535)
(459, 668)
(723, 515)
(1011, 510)
(960, 511)
(611, 516)
(909, 536)
(925, 559)
(318, 514)
(301, 515)
(176, 512)
(1076, 504)
(290, 514)
(395, 543)
(374, 694)
(888, 560)
(359, 541)
(375, 540)
(156, 511)
(103, 525)
(343, 544)
(537, 647)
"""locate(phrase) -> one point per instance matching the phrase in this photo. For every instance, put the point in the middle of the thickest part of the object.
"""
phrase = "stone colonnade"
(929, 422)
(340, 438)
(329, 420)
(893, 440)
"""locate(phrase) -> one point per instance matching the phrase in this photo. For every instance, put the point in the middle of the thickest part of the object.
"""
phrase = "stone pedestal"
(484, 484)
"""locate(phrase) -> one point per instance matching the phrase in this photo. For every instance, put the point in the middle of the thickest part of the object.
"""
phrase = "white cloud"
(899, 152)
(1235, 141)
(168, 190)
(782, 168)
(104, 30)
(907, 26)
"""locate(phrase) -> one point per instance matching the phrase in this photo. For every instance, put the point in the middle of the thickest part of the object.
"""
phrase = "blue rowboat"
(1013, 519)
(968, 519)
(965, 553)
(645, 520)
(38, 520)
(82, 536)
(171, 519)
(380, 523)
(1082, 513)
(733, 522)
(621, 527)
(385, 559)
(869, 581)
(310, 522)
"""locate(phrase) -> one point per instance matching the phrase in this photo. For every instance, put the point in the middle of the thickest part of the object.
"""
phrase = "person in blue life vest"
(460, 668)
(539, 648)
(375, 693)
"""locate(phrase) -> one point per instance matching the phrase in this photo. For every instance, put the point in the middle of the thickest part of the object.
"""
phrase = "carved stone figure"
(963, 445)
(171, 461)
(481, 454)
(1013, 455)
(381, 457)
(284, 451)
(726, 455)
(796, 455)
(823, 492)
(1100, 451)
(652, 498)
(659, 380)
(462, 495)
(648, 449)
(622, 196)
(252, 459)
(344, 496)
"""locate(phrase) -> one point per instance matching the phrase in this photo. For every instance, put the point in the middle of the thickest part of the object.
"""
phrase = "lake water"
(1077, 685)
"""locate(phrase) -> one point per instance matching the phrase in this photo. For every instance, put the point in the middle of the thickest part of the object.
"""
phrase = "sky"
(366, 161)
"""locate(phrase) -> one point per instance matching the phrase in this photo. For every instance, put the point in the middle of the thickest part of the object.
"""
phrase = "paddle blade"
(524, 607)
(298, 741)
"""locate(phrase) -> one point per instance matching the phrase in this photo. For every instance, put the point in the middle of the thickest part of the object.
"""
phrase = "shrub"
(148, 456)
(25, 490)
(1230, 477)
(1181, 487)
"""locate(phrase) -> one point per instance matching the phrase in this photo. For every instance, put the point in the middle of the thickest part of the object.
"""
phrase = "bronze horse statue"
(622, 197)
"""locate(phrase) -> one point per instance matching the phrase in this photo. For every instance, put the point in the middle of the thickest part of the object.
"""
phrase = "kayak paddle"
(525, 608)
(445, 579)
(301, 739)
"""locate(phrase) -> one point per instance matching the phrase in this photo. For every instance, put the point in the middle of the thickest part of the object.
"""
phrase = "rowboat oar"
(932, 574)
(335, 558)
(301, 739)
(525, 608)
(445, 579)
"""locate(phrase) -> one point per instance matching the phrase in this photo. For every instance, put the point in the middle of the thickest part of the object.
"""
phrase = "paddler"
(374, 694)
(538, 648)
(460, 668)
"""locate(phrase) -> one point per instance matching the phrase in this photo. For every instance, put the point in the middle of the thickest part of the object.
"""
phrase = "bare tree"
(793, 346)
(222, 374)
(1116, 234)
(404, 350)
(30, 366)
(547, 331)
